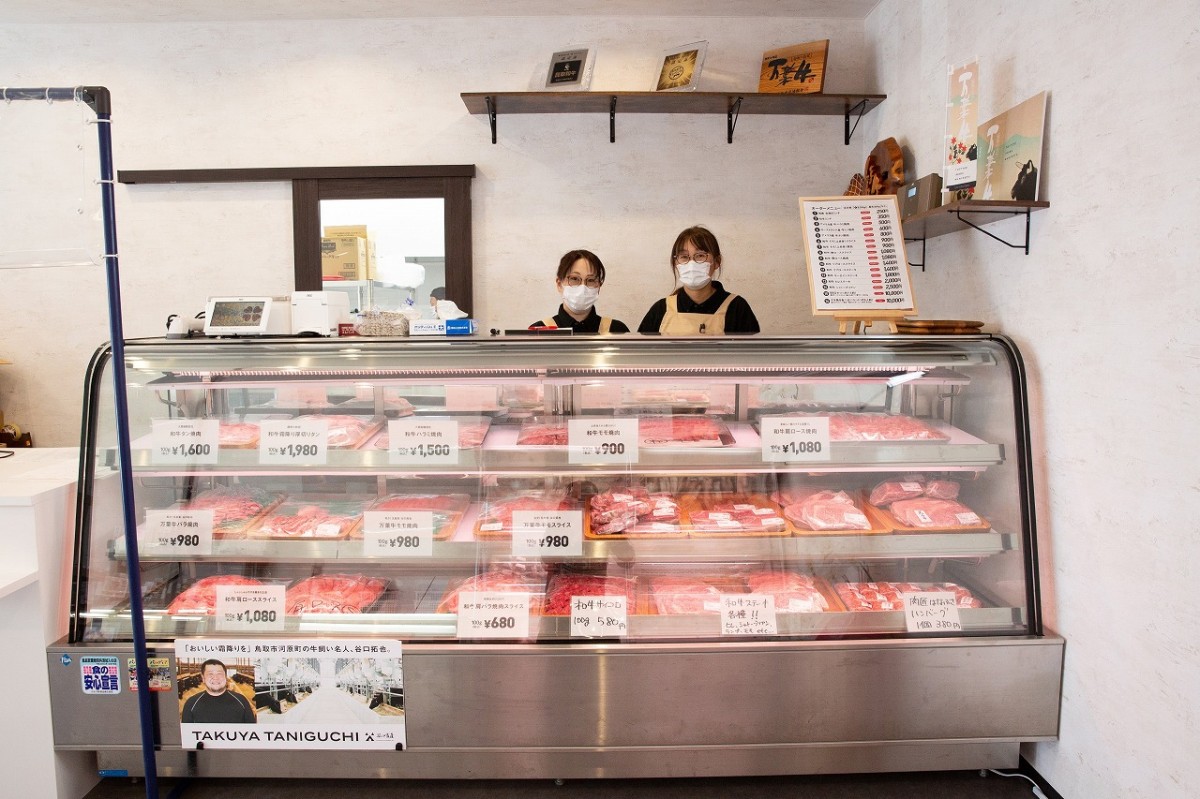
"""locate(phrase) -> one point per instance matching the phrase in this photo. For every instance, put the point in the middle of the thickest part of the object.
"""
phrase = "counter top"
(36, 470)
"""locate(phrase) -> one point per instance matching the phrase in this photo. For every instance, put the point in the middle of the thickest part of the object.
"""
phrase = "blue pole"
(132, 561)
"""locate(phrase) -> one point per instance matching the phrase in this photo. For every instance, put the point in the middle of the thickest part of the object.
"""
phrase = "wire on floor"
(1037, 789)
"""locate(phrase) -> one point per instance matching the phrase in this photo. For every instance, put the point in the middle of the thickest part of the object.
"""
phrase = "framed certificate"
(680, 70)
(571, 69)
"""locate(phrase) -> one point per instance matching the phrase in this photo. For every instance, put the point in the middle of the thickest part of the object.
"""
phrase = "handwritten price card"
(184, 441)
(854, 248)
(794, 438)
(249, 608)
(177, 532)
(494, 615)
(415, 442)
(602, 440)
(293, 442)
(554, 533)
(931, 612)
(398, 534)
(598, 617)
(748, 614)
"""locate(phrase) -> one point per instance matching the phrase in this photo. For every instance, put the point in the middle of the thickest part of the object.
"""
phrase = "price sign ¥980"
(547, 533)
(398, 534)
(177, 532)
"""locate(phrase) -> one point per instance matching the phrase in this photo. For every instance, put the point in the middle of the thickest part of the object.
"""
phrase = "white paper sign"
(398, 534)
(249, 608)
(795, 438)
(177, 532)
(603, 440)
(185, 440)
(598, 617)
(494, 615)
(542, 533)
(293, 442)
(748, 614)
(414, 442)
(931, 612)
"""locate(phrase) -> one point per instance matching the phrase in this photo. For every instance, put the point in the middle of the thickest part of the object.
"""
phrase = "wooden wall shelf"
(729, 103)
(950, 218)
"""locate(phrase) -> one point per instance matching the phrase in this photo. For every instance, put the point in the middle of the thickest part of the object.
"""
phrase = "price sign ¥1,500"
(415, 442)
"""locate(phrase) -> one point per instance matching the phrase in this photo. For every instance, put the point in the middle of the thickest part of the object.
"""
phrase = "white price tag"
(748, 614)
(398, 534)
(249, 608)
(598, 617)
(413, 442)
(931, 612)
(604, 440)
(494, 615)
(177, 532)
(185, 440)
(792, 438)
(293, 442)
(540, 533)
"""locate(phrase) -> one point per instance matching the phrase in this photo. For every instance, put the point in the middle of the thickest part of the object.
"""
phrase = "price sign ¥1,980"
(177, 532)
(249, 608)
(795, 438)
(293, 442)
(185, 441)
(413, 442)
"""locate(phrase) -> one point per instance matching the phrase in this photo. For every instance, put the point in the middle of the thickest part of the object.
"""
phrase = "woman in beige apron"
(580, 276)
(700, 306)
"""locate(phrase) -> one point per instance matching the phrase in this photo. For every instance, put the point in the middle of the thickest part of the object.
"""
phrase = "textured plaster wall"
(387, 92)
(1103, 308)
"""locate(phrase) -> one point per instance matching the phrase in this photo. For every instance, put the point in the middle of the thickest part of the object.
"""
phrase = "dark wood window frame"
(310, 185)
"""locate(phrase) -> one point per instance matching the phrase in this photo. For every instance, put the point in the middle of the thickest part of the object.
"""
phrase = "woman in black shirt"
(580, 276)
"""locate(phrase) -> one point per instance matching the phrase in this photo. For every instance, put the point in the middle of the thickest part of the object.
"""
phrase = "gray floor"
(926, 785)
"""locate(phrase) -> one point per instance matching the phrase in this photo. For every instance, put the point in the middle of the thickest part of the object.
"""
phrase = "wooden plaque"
(799, 69)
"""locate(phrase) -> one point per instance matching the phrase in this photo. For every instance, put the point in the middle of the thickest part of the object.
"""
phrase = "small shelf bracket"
(922, 264)
(612, 119)
(491, 108)
(1022, 246)
(732, 119)
(861, 108)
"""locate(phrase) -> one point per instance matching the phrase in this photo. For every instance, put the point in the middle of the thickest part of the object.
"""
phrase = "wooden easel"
(861, 322)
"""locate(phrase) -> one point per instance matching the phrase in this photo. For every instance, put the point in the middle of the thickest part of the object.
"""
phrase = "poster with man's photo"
(284, 694)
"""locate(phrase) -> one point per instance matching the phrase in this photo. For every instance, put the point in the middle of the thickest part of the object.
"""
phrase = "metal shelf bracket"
(861, 108)
(612, 119)
(732, 118)
(922, 264)
(1022, 246)
(491, 110)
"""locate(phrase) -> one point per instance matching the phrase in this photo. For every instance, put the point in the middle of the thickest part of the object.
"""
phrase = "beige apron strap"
(549, 322)
(605, 325)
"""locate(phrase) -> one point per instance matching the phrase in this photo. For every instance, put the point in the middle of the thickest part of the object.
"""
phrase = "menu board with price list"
(854, 248)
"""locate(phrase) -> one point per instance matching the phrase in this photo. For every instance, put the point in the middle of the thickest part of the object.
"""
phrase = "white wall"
(387, 92)
(1103, 308)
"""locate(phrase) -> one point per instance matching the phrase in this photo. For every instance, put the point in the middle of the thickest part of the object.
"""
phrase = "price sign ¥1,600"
(185, 441)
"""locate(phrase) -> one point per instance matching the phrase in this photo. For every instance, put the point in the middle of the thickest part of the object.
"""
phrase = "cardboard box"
(344, 258)
(360, 231)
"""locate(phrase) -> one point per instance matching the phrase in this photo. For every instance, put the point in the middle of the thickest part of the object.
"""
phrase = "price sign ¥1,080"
(249, 608)
(794, 438)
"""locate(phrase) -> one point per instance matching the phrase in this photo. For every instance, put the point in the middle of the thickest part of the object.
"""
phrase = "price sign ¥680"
(494, 615)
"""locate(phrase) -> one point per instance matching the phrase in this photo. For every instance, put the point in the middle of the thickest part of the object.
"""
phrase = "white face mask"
(694, 275)
(579, 299)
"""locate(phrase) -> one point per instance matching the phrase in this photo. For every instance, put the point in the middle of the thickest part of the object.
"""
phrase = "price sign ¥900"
(177, 532)
(795, 438)
(249, 608)
(608, 440)
(552, 533)
(494, 615)
(398, 534)
(293, 442)
(185, 441)
(414, 442)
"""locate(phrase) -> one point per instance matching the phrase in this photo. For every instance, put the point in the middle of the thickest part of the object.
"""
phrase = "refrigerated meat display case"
(600, 557)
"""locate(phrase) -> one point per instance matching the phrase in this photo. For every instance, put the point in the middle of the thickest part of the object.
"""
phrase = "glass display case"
(537, 519)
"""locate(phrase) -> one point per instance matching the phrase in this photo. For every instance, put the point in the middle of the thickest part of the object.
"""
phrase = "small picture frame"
(798, 69)
(571, 69)
(680, 70)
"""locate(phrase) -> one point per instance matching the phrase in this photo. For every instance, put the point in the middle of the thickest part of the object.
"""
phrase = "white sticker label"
(931, 612)
(413, 442)
(790, 438)
(185, 440)
(249, 608)
(177, 532)
(553, 533)
(603, 440)
(398, 534)
(748, 614)
(494, 615)
(598, 616)
(101, 674)
(293, 442)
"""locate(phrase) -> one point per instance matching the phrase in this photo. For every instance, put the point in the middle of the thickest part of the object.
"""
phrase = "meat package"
(928, 513)
(686, 430)
(631, 510)
(470, 433)
(793, 592)
(333, 593)
(238, 435)
(543, 431)
(496, 517)
(234, 507)
(825, 510)
(201, 596)
(501, 579)
(847, 427)
(564, 586)
(315, 519)
(346, 432)
(887, 596)
(911, 486)
(447, 510)
(672, 594)
(717, 515)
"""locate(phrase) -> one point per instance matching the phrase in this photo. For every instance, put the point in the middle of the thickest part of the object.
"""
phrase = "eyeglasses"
(699, 257)
(576, 280)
